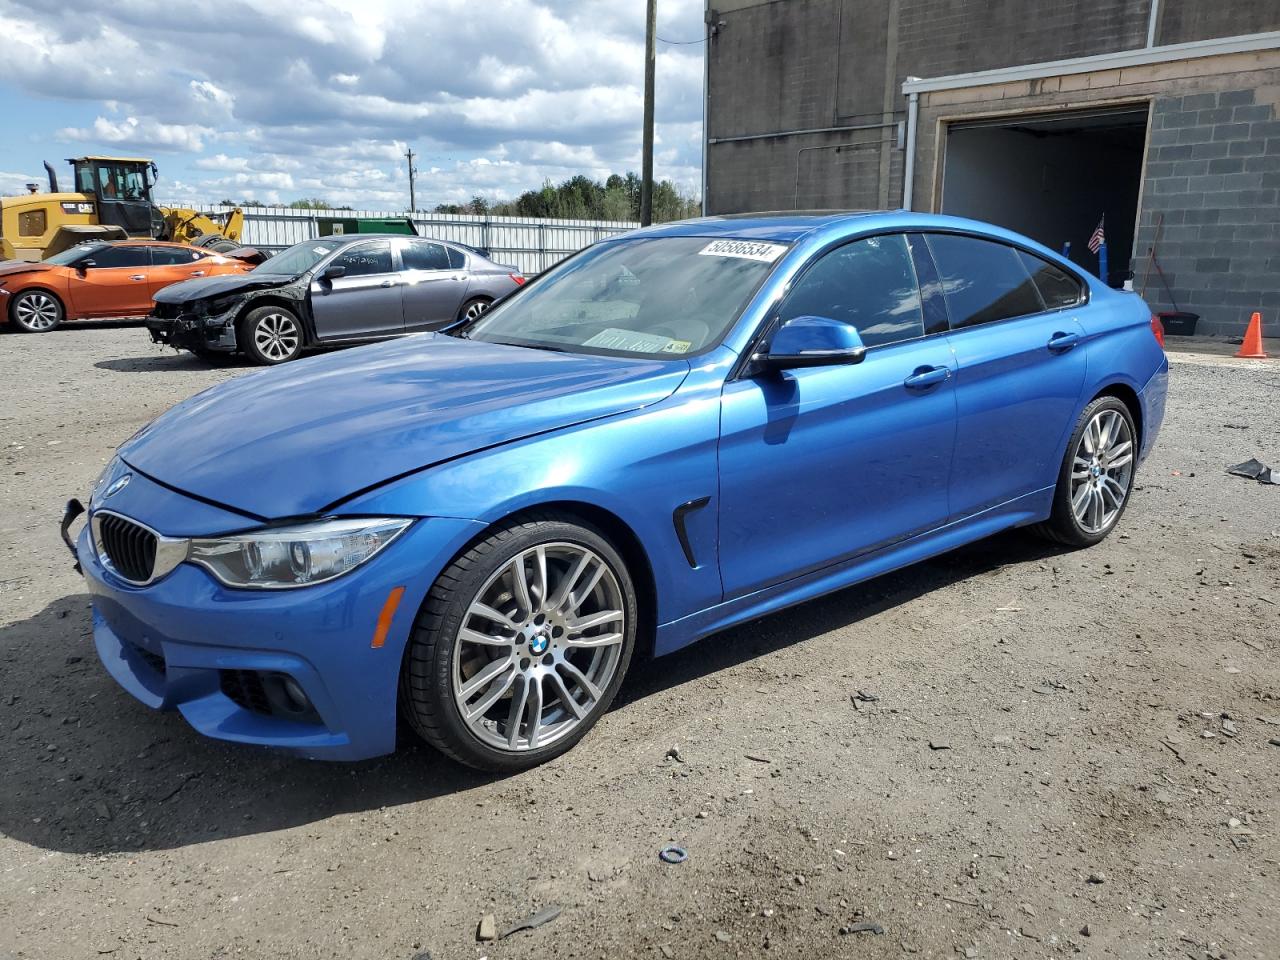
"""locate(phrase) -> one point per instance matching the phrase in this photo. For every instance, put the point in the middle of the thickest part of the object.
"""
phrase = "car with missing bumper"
(672, 432)
(329, 291)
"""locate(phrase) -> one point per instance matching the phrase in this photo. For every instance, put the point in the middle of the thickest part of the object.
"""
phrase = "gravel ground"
(1054, 752)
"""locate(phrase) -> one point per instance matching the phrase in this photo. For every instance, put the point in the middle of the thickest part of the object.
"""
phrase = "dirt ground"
(1054, 753)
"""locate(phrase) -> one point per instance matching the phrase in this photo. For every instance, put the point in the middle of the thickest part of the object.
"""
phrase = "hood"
(202, 288)
(298, 438)
(12, 268)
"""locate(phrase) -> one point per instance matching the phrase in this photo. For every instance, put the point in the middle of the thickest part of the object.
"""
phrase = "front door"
(365, 300)
(819, 465)
(114, 282)
(433, 290)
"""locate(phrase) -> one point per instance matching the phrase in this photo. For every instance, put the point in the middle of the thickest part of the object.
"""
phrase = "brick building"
(1164, 115)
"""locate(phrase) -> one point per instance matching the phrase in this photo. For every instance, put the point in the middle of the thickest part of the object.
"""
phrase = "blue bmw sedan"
(671, 432)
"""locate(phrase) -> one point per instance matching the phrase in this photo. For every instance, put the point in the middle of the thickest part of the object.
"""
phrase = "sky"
(275, 101)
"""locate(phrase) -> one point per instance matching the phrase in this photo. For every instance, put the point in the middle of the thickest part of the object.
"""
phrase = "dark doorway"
(1052, 177)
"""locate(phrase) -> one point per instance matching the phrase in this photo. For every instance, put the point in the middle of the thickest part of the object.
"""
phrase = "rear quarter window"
(984, 281)
(1057, 288)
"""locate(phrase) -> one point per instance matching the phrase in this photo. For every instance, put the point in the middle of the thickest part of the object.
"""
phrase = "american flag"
(1099, 237)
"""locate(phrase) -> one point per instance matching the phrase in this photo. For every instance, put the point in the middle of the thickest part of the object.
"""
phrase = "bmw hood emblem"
(117, 485)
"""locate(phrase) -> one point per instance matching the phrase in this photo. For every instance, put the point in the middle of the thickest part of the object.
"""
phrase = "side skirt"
(1031, 508)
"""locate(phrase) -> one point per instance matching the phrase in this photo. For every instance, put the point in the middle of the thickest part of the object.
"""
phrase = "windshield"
(67, 257)
(647, 296)
(299, 258)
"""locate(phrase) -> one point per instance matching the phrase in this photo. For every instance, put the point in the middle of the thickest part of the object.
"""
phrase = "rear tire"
(491, 660)
(473, 308)
(215, 242)
(36, 311)
(270, 335)
(1096, 476)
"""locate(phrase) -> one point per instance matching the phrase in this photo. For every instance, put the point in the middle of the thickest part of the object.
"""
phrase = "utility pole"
(646, 158)
(413, 200)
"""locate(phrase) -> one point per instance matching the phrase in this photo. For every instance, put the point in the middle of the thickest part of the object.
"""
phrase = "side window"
(1057, 287)
(111, 257)
(174, 256)
(365, 258)
(984, 281)
(457, 259)
(421, 255)
(934, 303)
(869, 284)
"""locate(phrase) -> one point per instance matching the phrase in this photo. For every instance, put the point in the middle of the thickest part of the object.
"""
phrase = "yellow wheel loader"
(112, 201)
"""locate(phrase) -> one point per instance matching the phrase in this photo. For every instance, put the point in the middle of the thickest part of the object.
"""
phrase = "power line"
(681, 43)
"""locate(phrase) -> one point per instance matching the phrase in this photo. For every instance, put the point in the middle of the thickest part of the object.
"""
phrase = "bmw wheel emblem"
(117, 485)
(538, 643)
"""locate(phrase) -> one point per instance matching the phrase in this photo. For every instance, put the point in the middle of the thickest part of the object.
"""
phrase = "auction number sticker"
(743, 250)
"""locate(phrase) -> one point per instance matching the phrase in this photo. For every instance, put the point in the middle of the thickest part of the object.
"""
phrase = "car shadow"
(90, 770)
(172, 360)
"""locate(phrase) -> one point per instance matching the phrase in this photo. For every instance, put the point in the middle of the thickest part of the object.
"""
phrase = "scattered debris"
(163, 923)
(1172, 749)
(865, 927)
(487, 929)
(545, 915)
(757, 758)
(674, 754)
(1255, 470)
(1098, 877)
(673, 854)
(1085, 931)
(866, 697)
(1274, 741)
(939, 745)
(722, 936)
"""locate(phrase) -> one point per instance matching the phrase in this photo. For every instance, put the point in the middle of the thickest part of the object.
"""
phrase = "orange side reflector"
(386, 616)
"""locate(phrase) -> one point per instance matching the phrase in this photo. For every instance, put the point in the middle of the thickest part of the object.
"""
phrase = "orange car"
(100, 279)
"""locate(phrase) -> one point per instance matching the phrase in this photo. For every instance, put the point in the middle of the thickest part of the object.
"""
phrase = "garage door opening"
(1052, 178)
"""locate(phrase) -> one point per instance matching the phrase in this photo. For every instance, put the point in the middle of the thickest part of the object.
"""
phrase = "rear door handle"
(198, 273)
(138, 276)
(387, 283)
(926, 377)
(1061, 342)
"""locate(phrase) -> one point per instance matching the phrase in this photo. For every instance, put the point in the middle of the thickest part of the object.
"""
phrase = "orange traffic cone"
(1251, 349)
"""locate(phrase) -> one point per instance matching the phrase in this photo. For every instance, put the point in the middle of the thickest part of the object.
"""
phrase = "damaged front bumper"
(201, 334)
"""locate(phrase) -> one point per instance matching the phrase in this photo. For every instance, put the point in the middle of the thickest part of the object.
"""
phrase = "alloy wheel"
(538, 647)
(1101, 469)
(475, 309)
(276, 336)
(37, 312)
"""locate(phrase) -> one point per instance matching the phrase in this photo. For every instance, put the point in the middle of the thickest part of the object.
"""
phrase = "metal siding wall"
(530, 244)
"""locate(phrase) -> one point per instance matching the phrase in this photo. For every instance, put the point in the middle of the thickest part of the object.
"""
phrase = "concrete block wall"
(1212, 189)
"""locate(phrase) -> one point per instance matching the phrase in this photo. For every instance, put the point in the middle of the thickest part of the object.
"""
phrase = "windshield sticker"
(743, 250)
(633, 341)
(320, 250)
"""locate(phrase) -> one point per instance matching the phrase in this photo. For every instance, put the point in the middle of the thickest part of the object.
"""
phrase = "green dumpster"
(340, 226)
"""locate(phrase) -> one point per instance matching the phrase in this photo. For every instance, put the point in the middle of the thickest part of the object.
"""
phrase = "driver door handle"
(138, 276)
(925, 377)
(198, 273)
(387, 283)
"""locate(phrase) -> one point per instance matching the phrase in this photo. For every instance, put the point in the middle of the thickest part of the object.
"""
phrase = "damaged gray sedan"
(335, 290)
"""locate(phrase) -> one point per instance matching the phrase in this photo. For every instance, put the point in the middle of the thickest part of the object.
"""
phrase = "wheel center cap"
(538, 643)
(1096, 470)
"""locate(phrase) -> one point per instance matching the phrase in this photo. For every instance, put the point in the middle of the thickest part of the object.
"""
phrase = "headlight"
(282, 557)
(214, 307)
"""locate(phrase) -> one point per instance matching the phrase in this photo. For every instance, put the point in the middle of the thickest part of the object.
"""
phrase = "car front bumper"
(188, 332)
(219, 656)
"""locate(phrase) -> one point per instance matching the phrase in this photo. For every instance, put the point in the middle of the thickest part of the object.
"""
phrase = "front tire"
(36, 311)
(1096, 475)
(270, 335)
(521, 645)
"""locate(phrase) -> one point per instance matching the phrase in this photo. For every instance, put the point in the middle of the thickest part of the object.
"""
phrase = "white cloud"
(142, 134)
(329, 93)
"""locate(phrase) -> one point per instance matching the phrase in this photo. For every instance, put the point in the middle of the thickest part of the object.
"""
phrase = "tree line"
(578, 198)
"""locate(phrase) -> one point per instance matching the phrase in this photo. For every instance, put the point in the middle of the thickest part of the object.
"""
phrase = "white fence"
(532, 245)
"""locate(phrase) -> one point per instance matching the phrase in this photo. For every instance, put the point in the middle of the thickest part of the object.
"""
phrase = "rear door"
(171, 264)
(365, 300)
(1020, 367)
(434, 285)
(116, 282)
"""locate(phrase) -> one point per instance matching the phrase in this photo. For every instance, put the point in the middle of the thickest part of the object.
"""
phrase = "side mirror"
(812, 342)
(84, 265)
(333, 272)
